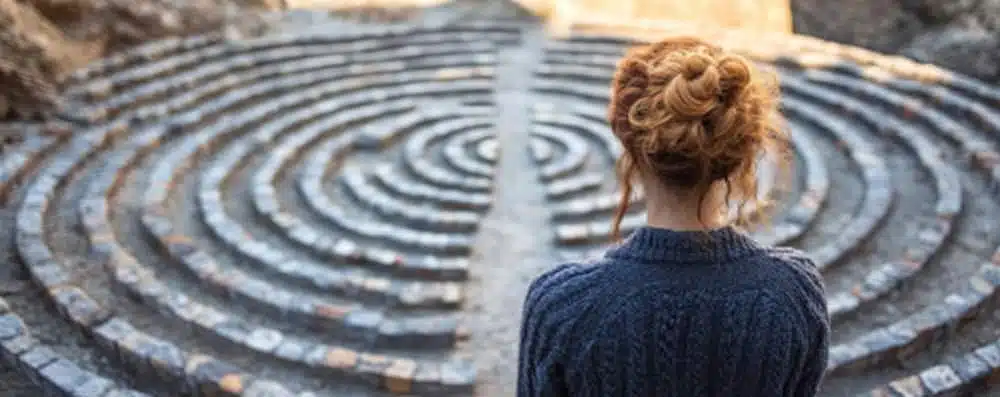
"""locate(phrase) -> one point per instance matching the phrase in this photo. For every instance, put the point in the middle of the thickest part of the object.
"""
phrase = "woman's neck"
(681, 212)
(666, 218)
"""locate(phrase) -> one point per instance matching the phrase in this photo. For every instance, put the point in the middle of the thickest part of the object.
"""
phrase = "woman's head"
(692, 119)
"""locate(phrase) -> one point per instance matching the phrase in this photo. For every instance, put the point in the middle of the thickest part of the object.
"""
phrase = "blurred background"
(43, 40)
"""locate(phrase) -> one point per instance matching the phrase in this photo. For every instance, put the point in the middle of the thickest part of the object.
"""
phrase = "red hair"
(690, 114)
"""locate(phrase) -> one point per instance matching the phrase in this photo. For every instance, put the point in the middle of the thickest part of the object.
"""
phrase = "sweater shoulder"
(795, 265)
(559, 283)
(555, 303)
(798, 282)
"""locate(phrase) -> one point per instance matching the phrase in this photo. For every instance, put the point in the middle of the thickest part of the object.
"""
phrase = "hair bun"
(734, 74)
(689, 114)
(695, 64)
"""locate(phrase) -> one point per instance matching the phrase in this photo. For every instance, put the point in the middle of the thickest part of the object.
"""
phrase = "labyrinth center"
(358, 210)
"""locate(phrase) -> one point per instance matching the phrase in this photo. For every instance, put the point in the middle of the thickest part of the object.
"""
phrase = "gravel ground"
(12, 281)
(14, 385)
(509, 253)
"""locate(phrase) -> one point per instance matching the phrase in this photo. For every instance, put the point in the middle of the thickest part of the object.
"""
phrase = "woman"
(686, 306)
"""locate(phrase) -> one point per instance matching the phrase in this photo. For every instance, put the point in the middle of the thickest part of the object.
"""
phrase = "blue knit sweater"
(663, 314)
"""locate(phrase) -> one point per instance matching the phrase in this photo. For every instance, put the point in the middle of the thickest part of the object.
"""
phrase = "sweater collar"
(654, 244)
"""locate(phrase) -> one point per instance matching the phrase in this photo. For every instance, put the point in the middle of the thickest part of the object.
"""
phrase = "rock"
(963, 35)
(42, 41)
(881, 25)
(972, 51)
(936, 11)
(988, 15)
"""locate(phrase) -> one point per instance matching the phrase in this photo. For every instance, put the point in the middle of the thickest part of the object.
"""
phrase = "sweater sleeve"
(814, 312)
(540, 367)
(818, 324)
(786, 352)
(815, 365)
(806, 304)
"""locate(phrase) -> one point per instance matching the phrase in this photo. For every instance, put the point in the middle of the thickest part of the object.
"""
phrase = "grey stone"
(158, 225)
(345, 248)
(206, 370)
(969, 49)
(969, 367)
(35, 253)
(991, 274)
(264, 340)
(939, 379)
(846, 353)
(990, 354)
(316, 357)
(292, 350)
(878, 281)
(79, 307)
(958, 307)
(38, 357)
(882, 340)
(181, 249)
(149, 287)
(165, 358)
(29, 222)
(17, 345)
(908, 387)
(65, 375)
(112, 332)
(261, 388)
(11, 326)
(11, 349)
(94, 387)
(370, 367)
(232, 330)
(569, 233)
(50, 274)
(364, 321)
(929, 318)
(126, 393)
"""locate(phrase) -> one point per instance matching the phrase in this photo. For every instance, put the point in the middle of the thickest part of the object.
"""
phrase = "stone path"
(358, 212)
(513, 243)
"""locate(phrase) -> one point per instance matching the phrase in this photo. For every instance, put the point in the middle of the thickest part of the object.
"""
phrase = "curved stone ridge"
(299, 214)
(969, 373)
(57, 374)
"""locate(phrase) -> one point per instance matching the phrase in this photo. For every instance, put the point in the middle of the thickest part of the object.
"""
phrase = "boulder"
(970, 50)
(962, 35)
(42, 41)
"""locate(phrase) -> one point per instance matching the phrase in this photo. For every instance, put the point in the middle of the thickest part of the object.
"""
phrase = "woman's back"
(687, 306)
(730, 319)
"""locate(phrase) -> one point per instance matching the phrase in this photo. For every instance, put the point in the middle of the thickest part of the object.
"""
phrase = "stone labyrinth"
(358, 213)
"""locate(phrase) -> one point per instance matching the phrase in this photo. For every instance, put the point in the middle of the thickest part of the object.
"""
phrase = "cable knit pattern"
(671, 314)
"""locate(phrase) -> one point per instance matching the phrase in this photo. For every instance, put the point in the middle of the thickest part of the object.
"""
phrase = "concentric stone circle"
(297, 214)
